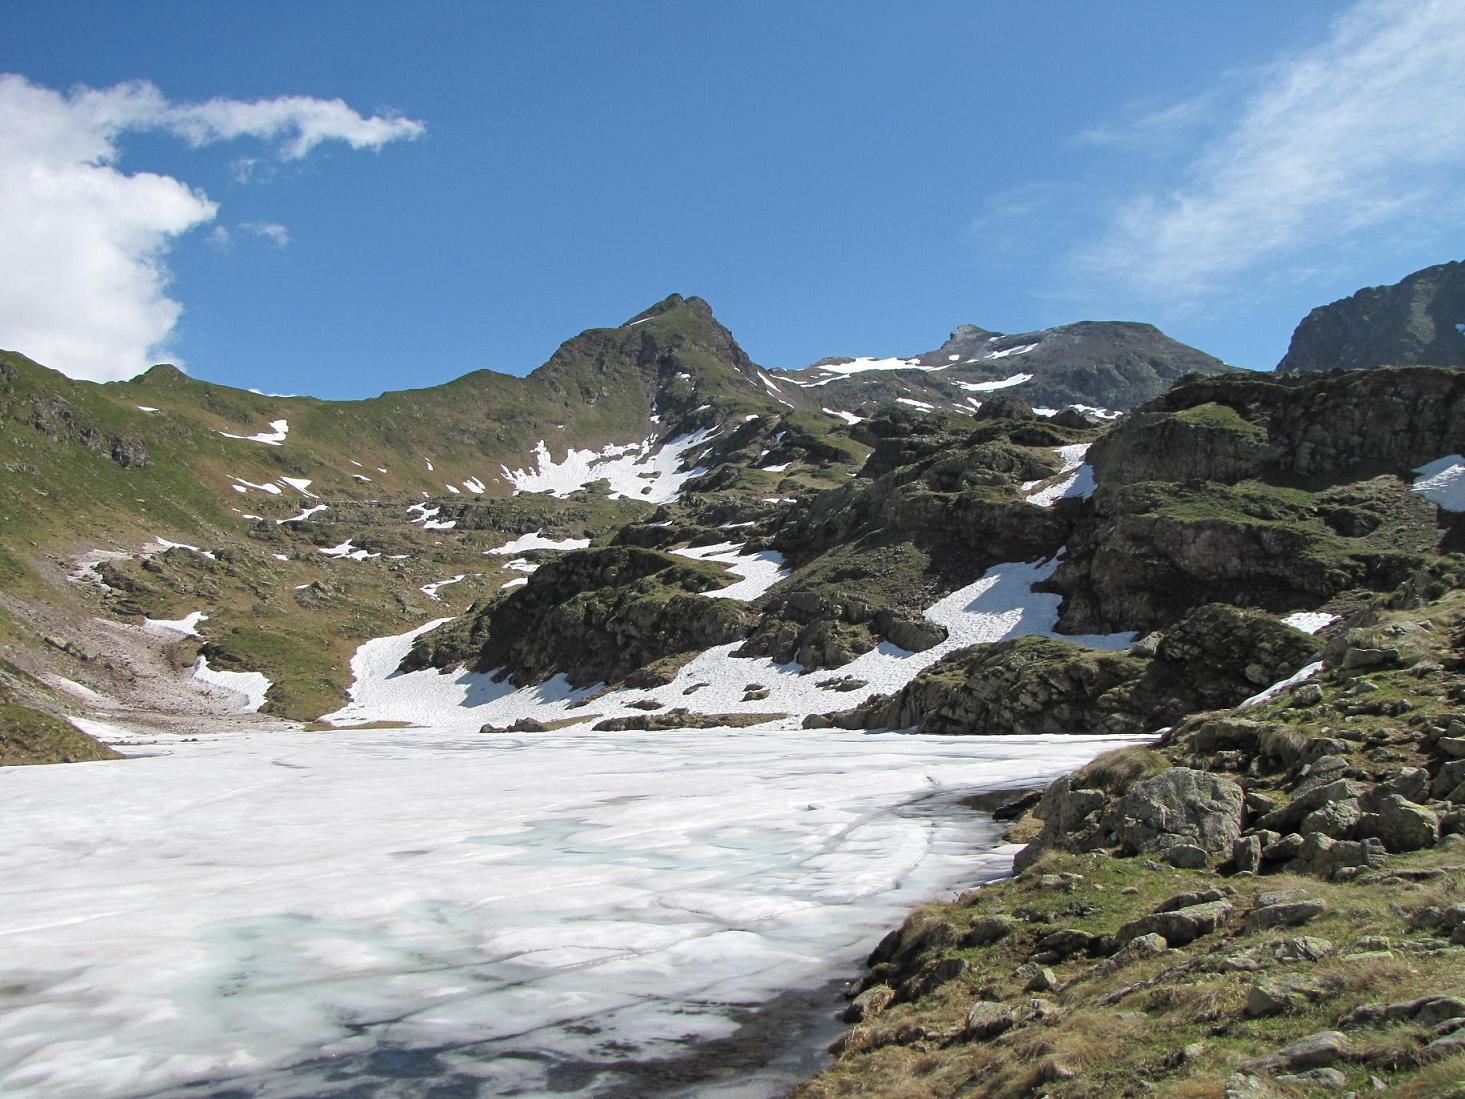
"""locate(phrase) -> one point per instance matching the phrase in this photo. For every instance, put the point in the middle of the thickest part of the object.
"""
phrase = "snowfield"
(647, 470)
(999, 605)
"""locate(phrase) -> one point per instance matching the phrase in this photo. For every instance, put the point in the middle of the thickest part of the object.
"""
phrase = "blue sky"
(836, 178)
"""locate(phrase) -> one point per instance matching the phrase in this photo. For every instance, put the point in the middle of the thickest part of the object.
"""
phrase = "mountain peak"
(671, 302)
(161, 374)
(1415, 320)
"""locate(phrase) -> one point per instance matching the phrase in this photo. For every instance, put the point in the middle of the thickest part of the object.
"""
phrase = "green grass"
(1219, 417)
(28, 736)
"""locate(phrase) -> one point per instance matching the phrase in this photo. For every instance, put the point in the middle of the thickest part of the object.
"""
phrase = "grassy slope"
(28, 736)
(298, 620)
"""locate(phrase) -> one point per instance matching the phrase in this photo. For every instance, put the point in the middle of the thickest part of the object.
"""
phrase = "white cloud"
(84, 244)
(1366, 129)
(271, 231)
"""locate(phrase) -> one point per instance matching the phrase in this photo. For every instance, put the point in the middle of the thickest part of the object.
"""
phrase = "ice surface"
(647, 470)
(759, 571)
(414, 913)
(274, 437)
(252, 685)
(1310, 621)
(537, 541)
(1443, 482)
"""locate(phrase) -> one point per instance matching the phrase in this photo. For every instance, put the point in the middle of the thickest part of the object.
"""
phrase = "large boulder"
(1179, 805)
(1400, 824)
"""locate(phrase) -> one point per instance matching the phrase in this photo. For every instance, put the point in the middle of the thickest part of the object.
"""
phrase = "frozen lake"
(422, 913)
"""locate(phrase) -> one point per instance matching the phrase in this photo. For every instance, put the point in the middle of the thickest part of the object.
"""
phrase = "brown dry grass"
(1120, 769)
(1442, 1080)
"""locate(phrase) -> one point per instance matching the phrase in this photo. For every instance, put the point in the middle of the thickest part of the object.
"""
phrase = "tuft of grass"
(1120, 769)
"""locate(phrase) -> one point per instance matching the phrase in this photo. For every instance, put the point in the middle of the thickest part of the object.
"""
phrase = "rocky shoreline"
(1265, 903)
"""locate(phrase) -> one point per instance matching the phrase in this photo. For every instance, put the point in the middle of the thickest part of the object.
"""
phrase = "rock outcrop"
(1419, 319)
(594, 616)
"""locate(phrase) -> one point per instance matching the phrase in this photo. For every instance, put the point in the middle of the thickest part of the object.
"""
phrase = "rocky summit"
(1419, 319)
(1089, 531)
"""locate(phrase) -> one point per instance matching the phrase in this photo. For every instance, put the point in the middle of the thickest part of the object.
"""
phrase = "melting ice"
(395, 913)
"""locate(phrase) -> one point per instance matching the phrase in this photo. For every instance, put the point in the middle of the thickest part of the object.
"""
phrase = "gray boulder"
(987, 1019)
(1314, 1051)
(1177, 928)
(1337, 819)
(1179, 806)
(1287, 914)
(1401, 824)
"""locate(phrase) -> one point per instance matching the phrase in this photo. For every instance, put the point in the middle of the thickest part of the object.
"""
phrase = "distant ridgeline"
(650, 497)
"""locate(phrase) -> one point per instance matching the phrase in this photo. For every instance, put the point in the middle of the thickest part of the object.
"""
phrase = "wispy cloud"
(85, 244)
(1156, 129)
(272, 232)
(1365, 129)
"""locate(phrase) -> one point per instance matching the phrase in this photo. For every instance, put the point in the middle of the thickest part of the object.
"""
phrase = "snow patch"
(1277, 688)
(989, 387)
(999, 605)
(1020, 350)
(347, 552)
(1443, 482)
(252, 685)
(537, 541)
(187, 626)
(848, 417)
(305, 514)
(163, 543)
(758, 571)
(274, 437)
(1310, 621)
(430, 590)
(1074, 481)
(648, 470)
(244, 486)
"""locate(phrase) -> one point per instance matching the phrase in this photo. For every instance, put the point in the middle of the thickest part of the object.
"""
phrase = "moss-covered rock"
(593, 615)
(1215, 656)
